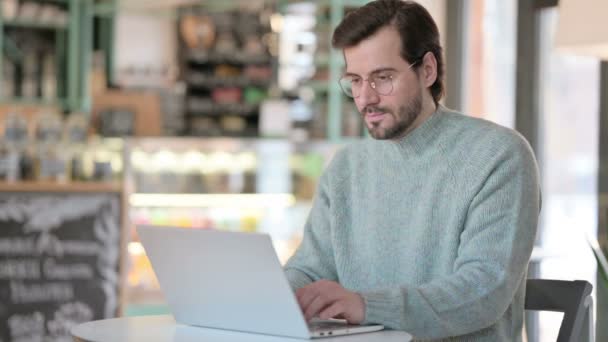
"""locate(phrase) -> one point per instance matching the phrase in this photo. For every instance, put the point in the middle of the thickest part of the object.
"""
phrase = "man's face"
(386, 115)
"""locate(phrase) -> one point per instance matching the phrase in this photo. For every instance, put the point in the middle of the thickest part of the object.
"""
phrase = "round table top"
(165, 329)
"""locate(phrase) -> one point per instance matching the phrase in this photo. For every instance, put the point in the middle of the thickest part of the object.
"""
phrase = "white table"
(165, 329)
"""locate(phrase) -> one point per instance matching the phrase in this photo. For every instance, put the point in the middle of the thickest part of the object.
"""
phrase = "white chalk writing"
(76, 247)
(17, 246)
(26, 326)
(108, 232)
(68, 316)
(30, 338)
(43, 214)
(19, 269)
(49, 244)
(53, 270)
(48, 292)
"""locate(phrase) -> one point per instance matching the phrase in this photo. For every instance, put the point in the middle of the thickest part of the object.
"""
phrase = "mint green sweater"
(434, 231)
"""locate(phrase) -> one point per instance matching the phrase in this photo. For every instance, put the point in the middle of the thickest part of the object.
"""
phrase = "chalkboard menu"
(59, 263)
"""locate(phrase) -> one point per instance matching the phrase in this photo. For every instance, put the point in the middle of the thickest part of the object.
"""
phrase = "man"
(429, 226)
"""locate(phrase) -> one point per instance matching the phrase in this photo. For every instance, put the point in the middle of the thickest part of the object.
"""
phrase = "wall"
(144, 42)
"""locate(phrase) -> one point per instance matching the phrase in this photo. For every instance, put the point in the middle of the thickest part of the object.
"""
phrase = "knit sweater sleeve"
(495, 247)
(313, 260)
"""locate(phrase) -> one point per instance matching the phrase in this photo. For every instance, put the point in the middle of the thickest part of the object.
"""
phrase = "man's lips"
(374, 116)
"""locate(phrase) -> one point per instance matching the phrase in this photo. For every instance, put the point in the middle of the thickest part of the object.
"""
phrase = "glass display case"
(249, 185)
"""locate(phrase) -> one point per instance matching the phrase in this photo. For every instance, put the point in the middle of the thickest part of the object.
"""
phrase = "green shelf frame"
(318, 86)
(22, 101)
(1, 43)
(34, 24)
(334, 124)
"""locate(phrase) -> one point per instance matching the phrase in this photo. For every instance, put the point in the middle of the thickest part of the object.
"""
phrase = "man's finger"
(305, 296)
(318, 304)
(332, 311)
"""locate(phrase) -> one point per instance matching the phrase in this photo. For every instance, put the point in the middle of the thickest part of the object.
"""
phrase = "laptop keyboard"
(326, 325)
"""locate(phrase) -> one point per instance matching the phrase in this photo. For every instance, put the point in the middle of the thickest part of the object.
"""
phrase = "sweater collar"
(420, 138)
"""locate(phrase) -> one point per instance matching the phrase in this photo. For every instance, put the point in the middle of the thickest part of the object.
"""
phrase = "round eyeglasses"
(380, 81)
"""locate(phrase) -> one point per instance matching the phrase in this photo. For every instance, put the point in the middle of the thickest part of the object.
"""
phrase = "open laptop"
(232, 281)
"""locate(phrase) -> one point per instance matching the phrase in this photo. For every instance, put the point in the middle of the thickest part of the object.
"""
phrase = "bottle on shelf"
(9, 9)
(75, 140)
(7, 84)
(12, 149)
(49, 78)
(51, 158)
(30, 73)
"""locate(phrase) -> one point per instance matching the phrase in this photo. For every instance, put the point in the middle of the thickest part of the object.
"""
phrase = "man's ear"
(429, 69)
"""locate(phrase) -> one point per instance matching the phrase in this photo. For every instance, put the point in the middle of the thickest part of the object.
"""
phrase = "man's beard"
(404, 119)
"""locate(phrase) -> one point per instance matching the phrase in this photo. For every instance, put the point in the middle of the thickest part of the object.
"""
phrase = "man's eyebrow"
(375, 71)
(351, 74)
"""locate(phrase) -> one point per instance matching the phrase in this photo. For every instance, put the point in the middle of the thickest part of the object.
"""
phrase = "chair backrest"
(569, 297)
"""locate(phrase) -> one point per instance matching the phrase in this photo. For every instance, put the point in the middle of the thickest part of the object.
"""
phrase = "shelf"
(210, 82)
(318, 86)
(353, 3)
(20, 101)
(322, 60)
(259, 200)
(35, 186)
(207, 107)
(329, 3)
(34, 24)
(239, 57)
(325, 61)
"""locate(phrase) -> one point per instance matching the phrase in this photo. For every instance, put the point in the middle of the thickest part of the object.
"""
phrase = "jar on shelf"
(13, 147)
(51, 158)
(75, 140)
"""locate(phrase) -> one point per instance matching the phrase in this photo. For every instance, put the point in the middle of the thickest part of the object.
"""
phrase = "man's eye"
(382, 78)
(355, 80)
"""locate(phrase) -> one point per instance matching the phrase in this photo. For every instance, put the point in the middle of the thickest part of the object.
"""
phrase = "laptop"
(232, 281)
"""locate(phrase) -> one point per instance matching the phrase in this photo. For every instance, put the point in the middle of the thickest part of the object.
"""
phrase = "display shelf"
(66, 33)
(245, 185)
(35, 186)
(327, 68)
(238, 57)
(209, 82)
(322, 59)
(22, 23)
(354, 3)
(22, 101)
(227, 66)
(257, 200)
(204, 106)
(318, 86)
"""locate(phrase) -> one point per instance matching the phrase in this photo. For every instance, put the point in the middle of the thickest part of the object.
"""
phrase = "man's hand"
(327, 299)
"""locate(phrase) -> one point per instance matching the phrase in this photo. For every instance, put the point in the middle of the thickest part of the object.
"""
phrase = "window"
(489, 73)
(569, 161)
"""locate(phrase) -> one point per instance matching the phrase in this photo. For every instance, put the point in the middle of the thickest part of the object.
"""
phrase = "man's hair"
(418, 31)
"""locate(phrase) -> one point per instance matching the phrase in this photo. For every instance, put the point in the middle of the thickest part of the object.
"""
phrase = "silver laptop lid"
(211, 279)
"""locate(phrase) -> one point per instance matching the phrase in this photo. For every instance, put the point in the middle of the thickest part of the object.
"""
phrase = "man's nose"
(367, 96)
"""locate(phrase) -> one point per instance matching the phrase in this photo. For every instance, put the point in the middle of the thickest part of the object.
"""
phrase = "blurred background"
(222, 114)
